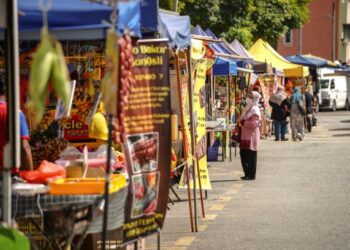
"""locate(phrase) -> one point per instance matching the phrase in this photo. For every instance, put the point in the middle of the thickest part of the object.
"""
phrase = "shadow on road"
(339, 129)
(345, 121)
(341, 135)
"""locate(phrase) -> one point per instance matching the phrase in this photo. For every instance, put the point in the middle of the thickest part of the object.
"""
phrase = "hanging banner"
(200, 125)
(187, 140)
(147, 140)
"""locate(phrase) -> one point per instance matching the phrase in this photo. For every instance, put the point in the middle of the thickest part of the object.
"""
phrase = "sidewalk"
(300, 199)
(225, 180)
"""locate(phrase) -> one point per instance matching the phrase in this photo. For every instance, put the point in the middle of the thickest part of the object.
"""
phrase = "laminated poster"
(147, 140)
(200, 125)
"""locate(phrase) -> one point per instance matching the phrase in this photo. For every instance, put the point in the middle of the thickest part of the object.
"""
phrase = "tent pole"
(107, 183)
(185, 150)
(190, 88)
(11, 149)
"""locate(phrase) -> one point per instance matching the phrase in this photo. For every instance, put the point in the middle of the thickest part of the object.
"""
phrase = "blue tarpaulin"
(224, 67)
(79, 15)
(306, 61)
(176, 28)
(82, 20)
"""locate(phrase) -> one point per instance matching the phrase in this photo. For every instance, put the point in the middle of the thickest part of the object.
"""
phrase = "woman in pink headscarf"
(250, 121)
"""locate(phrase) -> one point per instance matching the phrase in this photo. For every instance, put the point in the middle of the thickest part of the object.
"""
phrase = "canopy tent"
(198, 31)
(224, 67)
(262, 51)
(221, 47)
(326, 62)
(237, 46)
(176, 28)
(66, 17)
(306, 61)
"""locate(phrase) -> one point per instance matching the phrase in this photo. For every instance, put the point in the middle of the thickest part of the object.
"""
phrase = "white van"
(334, 92)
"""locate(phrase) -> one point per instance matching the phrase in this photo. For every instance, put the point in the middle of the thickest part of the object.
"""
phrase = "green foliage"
(274, 18)
(169, 5)
(246, 20)
(11, 239)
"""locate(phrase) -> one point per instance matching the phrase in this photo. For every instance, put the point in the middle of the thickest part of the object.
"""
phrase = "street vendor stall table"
(27, 210)
(224, 132)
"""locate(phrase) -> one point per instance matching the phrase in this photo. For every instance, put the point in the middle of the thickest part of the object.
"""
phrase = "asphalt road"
(300, 199)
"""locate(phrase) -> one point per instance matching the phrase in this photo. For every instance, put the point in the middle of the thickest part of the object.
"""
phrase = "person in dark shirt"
(280, 106)
(308, 101)
(26, 154)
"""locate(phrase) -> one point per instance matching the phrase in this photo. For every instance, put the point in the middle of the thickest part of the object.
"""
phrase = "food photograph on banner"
(147, 137)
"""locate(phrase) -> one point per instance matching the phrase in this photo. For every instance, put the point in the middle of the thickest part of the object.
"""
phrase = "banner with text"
(147, 140)
(200, 125)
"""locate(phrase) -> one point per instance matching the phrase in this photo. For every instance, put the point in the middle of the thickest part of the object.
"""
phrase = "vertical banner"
(147, 140)
(200, 125)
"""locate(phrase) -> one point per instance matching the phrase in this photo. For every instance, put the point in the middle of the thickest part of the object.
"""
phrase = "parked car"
(334, 92)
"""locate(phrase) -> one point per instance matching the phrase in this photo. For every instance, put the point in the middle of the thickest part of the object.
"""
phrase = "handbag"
(302, 108)
(237, 134)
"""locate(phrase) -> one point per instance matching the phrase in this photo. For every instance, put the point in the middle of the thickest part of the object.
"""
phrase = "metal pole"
(301, 41)
(108, 171)
(190, 88)
(199, 180)
(176, 3)
(12, 148)
(159, 239)
(179, 88)
(333, 31)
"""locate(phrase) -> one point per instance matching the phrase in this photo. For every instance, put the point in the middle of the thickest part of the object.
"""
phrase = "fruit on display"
(46, 145)
(45, 121)
(49, 151)
(48, 64)
(83, 101)
(125, 83)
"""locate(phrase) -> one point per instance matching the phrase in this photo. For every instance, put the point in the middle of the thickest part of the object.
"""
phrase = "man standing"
(280, 106)
(26, 154)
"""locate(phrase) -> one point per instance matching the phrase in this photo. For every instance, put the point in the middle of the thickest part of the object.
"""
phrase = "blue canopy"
(306, 61)
(79, 15)
(220, 47)
(224, 67)
(66, 17)
(198, 31)
(176, 28)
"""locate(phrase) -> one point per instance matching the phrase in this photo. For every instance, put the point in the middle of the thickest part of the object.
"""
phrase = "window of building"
(288, 38)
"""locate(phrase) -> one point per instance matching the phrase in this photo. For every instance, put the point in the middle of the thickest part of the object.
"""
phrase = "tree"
(245, 20)
(203, 12)
(273, 18)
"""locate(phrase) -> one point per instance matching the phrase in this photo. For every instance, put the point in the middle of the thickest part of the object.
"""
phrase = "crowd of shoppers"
(252, 122)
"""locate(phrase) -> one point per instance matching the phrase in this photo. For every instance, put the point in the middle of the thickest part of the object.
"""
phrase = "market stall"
(147, 173)
(187, 67)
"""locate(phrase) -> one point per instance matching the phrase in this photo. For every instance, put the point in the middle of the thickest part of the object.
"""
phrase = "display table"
(33, 206)
(224, 132)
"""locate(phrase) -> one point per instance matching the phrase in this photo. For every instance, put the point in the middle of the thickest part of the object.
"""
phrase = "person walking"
(280, 106)
(297, 115)
(250, 137)
(26, 153)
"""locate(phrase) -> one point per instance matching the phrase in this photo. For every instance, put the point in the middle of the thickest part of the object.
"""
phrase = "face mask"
(249, 101)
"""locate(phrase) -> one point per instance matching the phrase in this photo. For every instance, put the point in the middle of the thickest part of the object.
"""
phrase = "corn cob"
(60, 76)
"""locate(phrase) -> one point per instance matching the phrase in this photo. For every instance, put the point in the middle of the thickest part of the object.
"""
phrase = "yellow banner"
(200, 125)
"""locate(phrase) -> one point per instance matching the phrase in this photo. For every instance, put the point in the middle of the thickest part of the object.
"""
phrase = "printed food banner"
(200, 125)
(147, 140)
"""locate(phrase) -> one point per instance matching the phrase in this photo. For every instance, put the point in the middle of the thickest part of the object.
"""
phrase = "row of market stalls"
(149, 97)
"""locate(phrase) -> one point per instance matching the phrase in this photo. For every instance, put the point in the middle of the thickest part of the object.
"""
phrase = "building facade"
(326, 34)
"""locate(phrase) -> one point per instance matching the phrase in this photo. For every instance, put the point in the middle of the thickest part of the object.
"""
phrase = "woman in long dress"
(296, 115)
(250, 122)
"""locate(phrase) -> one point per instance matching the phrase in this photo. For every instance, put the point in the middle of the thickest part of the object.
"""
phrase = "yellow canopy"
(263, 52)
